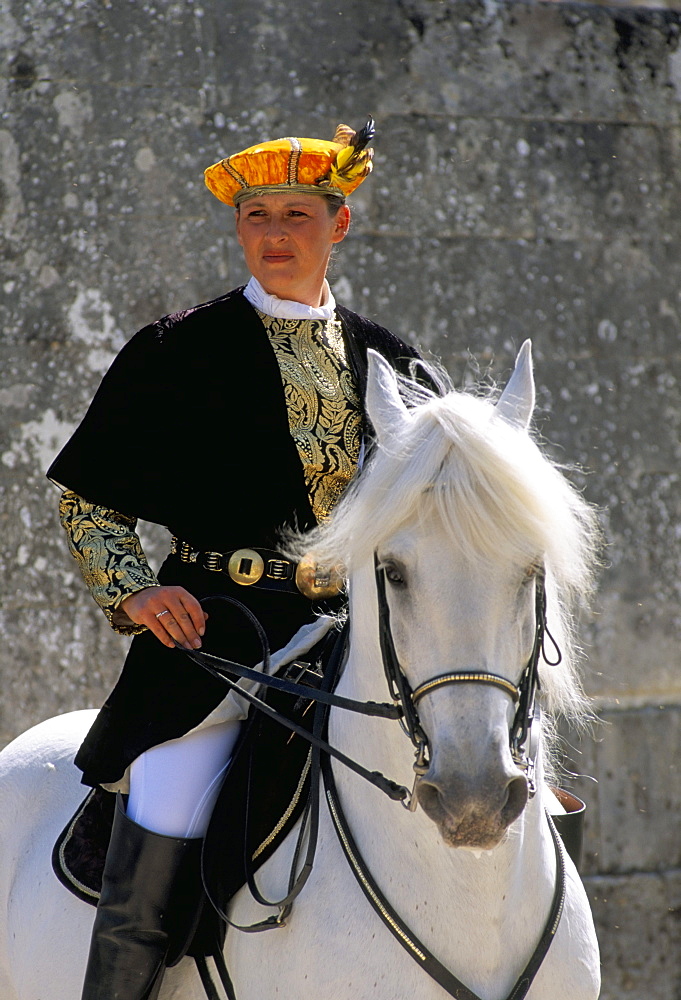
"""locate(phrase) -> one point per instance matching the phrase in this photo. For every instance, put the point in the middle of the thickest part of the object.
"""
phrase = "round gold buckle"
(245, 567)
(315, 582)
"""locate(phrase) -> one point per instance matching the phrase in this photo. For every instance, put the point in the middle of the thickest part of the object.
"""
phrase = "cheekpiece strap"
(398, 685)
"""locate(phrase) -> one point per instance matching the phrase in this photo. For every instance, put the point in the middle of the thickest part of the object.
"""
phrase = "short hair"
(334, 202)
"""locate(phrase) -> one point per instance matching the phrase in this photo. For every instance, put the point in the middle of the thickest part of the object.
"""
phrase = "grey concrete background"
(527, 183)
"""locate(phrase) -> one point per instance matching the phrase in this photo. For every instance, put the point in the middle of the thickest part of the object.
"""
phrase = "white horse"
(464, 514)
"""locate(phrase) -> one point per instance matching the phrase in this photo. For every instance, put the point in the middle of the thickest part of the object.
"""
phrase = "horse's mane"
(499, 497)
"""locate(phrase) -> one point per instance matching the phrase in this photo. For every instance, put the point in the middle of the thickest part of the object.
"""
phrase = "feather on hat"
(311, 166)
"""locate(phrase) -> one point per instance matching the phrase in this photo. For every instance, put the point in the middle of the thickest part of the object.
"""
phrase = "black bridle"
(523, 695)
(527, 714)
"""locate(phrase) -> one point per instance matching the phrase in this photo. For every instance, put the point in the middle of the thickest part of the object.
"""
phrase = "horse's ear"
(385, 406)
(517, 400)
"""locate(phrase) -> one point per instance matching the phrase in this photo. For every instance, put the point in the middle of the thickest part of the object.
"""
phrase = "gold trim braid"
(359, 871)
(294, 160)
(283, 820)
(261, 189)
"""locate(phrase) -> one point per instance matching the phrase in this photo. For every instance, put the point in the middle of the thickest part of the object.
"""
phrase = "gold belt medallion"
(245, 566)
(316, 582)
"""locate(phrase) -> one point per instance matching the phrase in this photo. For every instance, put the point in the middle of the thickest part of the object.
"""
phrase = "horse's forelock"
(495, 490)
(498, 496)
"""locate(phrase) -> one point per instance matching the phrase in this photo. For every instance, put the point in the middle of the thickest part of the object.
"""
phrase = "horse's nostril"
(516, 799)
(429, 799)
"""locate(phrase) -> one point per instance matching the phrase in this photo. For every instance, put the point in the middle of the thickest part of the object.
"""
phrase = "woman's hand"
(171, 613)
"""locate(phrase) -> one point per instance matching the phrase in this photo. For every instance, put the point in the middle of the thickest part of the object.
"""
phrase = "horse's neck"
(500, 892)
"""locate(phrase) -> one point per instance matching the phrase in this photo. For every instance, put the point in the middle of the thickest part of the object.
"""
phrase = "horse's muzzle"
(474, 814)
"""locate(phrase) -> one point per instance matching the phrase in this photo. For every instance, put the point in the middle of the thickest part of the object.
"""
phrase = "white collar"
(272, 305)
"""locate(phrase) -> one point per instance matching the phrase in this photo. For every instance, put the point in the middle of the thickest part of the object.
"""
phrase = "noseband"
(522, 735)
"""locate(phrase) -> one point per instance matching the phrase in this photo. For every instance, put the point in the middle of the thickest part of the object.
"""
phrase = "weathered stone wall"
(527, 183)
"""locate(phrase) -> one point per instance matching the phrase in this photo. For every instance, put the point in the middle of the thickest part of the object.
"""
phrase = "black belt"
(264, 569)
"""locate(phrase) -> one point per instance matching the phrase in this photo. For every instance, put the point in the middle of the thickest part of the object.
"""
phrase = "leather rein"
(404, 709)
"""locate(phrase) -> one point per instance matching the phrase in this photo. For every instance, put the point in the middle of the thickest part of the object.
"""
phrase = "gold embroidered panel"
(324, 414)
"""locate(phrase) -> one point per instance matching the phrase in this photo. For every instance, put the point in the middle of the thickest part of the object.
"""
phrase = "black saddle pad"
(79, 853)
(263, 794)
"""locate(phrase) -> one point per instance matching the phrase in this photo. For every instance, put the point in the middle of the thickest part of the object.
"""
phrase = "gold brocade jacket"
(325, 421)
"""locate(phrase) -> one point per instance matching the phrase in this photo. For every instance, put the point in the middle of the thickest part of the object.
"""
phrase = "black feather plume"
(364, 136)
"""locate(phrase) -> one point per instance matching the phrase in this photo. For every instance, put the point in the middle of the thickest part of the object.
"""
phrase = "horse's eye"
(394, 576)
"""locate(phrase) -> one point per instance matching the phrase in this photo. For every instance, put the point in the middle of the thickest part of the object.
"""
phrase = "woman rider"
(225, 423)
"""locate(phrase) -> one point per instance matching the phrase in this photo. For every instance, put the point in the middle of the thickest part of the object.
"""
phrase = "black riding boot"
(143, 905)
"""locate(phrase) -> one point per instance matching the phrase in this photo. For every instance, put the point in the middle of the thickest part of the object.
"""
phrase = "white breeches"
(173, 787)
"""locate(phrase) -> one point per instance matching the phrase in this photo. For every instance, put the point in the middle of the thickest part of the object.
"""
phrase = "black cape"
(189, 430)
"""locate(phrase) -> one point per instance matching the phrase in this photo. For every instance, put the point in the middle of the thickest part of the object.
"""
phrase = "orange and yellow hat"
(311, 166)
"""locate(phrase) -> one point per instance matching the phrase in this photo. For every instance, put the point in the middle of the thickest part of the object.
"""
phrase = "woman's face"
(287, 241)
